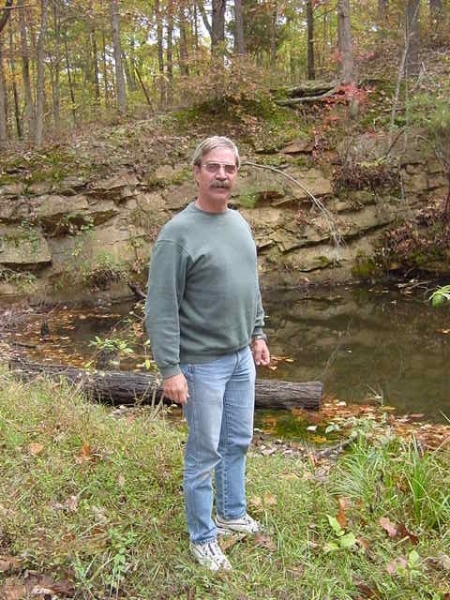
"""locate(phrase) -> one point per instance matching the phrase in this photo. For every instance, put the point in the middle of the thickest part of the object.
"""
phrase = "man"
(204, 318)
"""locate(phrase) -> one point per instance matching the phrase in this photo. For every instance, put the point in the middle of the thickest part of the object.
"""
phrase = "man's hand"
(260, 351)
(176, 388)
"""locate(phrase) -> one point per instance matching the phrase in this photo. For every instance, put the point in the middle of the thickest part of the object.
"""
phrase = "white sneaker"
(210, 555)
(245, 524)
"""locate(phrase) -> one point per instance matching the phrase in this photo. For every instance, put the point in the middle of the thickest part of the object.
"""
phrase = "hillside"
(320, 187)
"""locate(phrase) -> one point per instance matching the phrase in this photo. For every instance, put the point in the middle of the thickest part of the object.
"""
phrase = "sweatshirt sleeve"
(166, 284)
(259, 320)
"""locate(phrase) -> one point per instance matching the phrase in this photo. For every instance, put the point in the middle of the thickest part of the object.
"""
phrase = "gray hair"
(211, 143)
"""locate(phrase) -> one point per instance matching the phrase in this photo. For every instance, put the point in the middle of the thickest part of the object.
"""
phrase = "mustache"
(220, 184)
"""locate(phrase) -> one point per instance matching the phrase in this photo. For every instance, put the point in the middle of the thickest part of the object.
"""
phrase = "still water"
(365, 345)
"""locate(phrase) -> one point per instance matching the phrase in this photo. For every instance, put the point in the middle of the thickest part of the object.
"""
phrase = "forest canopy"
(65, 63)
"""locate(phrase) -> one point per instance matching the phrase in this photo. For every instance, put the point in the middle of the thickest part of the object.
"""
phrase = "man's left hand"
(260, 351)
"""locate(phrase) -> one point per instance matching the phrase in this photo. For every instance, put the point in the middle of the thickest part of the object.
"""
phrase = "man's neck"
(216, 207)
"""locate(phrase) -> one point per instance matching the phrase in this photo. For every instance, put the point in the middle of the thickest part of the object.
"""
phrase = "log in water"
(124, 387)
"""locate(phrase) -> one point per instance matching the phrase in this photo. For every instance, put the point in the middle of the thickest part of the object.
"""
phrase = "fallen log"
(126, 387)
(304, 99)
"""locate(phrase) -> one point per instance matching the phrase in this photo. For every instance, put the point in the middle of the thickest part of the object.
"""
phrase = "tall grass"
(93, 495)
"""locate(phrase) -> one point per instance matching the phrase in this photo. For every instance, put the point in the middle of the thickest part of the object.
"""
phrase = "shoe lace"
(215, 551)
(211, 550)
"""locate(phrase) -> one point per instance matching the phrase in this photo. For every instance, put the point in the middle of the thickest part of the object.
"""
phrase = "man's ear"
(196, 172)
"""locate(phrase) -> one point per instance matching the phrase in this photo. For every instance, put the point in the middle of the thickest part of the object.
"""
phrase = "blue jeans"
(219, 412)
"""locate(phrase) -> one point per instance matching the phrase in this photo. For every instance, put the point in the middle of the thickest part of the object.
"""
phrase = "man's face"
(216, 177)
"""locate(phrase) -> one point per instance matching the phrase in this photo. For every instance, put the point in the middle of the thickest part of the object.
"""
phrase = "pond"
(367, 345)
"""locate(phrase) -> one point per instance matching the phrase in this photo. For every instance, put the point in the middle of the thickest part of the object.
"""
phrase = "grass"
(91, 497)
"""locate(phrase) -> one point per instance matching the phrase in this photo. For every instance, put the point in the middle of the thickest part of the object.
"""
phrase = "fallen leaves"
(31, 584)
(388, 526)
(70, 505)
(35, 448)
(260, 502)
(341, 517)
(85, 454)
(397, 530)
(8, 563)
(265, 541)
(274, 360)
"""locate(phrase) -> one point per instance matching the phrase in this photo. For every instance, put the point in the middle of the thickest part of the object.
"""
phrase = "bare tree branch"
(334, 233)
(207, 24)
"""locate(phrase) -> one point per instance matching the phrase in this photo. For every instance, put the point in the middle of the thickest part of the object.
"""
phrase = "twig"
(397, 92)
(336, 449)
(393, 142)
(337, 238)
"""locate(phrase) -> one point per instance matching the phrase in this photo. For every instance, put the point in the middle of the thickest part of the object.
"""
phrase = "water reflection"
(365, 344)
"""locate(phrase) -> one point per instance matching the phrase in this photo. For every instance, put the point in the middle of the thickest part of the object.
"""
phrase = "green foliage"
(111, 345)
(96, 493)
(50, 166)
(23, 280)
(433, 113)
(365, 268)
(440, 296)
(343, 540)
(235, 92)
(249, 200)
(103, 270)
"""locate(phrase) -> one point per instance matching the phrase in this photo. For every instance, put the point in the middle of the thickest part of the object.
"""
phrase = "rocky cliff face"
(312, 220)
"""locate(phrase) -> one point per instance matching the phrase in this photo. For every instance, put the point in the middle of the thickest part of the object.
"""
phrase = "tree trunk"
(201, 7)
(311, 41)
(55, 72)
(218, 26)
(161, 83)
(412, 65)
(93, 56)
(130, 65)
(144, 89)
(435, 7)
(123, 387)
(40, 90)
(29, 103)
(130, 76)
(105, 69)
(5, 14)
(239, 41)
(382, 11)
(3, 108)
(169, 53)
(184, 53)
(195, 32)
(96, 67)
(117, 51)
(69, 80)
(437, 22)
(345, 42)
(273, 36)
(12, 67)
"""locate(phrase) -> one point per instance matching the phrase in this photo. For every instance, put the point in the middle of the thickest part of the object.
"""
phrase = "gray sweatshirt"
(203, 294)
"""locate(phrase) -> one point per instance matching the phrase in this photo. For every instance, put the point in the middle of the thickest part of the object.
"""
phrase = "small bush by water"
(91, 506)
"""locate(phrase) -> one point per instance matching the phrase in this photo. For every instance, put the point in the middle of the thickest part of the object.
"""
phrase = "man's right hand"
(176, 388)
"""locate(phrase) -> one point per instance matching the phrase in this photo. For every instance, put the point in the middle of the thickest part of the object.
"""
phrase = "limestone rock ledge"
(79, 232)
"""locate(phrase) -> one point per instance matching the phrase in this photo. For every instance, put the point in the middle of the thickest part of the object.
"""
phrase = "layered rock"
(304, 228)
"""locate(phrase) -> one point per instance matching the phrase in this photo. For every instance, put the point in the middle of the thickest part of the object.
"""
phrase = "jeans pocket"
(188, 370)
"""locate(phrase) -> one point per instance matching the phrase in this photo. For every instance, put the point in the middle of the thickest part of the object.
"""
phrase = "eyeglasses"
(214, 167)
